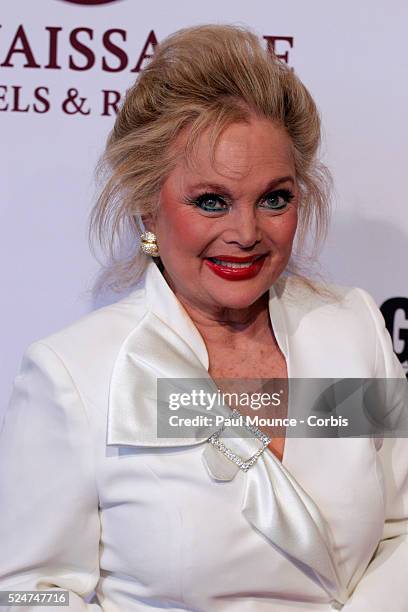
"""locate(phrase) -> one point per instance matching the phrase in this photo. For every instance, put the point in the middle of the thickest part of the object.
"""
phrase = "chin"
(238, 296)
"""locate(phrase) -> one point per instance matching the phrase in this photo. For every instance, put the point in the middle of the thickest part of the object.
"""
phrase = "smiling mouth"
(236, 262)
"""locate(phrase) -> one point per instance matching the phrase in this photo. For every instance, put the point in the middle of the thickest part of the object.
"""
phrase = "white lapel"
(164, 344)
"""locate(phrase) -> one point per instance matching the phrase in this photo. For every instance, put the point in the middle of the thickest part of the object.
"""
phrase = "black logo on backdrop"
(395, 313)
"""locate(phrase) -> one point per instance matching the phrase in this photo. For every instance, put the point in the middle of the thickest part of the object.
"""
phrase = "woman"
(214, 150)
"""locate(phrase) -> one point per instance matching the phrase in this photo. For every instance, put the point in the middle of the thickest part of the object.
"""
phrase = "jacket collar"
(164, 344)
(162, 302)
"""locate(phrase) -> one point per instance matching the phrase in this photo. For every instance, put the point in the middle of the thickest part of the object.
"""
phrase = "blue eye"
(210, 202)
(278, 200)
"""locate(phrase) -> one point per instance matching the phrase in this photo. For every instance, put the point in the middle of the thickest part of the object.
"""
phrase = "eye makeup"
(212, 202)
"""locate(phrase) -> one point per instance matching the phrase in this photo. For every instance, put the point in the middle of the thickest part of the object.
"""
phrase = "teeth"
(232, 264)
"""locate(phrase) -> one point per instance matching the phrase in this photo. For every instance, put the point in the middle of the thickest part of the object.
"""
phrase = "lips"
(236, 268)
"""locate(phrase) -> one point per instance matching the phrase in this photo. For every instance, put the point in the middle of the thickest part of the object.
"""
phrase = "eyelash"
(286, 194)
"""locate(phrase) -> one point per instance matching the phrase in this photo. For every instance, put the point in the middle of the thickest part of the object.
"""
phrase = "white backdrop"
(351, 55)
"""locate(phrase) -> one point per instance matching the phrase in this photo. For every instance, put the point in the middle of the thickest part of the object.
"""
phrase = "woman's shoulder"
(305, 294)
(341, 319)
(328, 312)
(90, 344)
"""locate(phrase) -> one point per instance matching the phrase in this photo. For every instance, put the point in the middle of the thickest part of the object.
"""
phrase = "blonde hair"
(199, 77)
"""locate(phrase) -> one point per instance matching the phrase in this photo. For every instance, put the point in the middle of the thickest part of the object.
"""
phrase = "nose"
(243, 228)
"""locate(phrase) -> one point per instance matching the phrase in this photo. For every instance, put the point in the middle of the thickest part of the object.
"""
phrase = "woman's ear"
(148, 222)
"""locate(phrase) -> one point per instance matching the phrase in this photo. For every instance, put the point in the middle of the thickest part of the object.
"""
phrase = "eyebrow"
(222, 190)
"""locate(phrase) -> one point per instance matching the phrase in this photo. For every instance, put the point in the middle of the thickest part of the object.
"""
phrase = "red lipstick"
(253, 266)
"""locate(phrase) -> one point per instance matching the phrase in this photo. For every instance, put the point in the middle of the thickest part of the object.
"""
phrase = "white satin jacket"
(92, 501)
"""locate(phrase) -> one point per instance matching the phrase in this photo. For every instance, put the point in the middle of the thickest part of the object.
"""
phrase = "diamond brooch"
(243, 464)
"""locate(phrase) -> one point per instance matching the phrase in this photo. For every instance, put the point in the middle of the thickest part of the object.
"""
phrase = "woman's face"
(242, 208)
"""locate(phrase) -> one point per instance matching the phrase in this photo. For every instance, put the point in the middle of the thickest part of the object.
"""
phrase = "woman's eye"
(278, 200)
(210, 202)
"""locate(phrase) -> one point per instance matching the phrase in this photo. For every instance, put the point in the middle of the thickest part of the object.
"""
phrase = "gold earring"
(148, 244)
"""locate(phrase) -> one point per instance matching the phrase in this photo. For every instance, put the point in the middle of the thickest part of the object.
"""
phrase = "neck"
(229, 326)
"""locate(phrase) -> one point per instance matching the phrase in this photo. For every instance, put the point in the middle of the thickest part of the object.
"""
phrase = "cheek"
(282, 230)
(180, 230)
